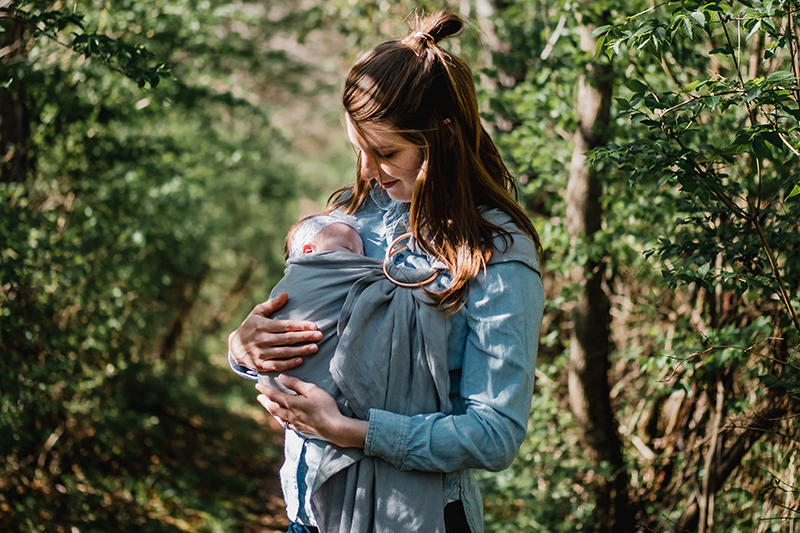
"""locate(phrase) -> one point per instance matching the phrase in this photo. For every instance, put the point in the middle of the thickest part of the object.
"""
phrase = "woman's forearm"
(348, 432)
(496, 385)
(443, 443)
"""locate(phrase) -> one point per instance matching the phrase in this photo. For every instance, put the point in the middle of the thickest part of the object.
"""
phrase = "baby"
(312, 286)
(324, 233)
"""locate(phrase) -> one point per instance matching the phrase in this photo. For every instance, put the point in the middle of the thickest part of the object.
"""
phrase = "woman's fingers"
(265, 309)
(278, 365)
(277, 397)
(289, 326)
(272, 408)
(273, 401)
(309, 412)
(276, 340)
(312, 412)
(300, 387)
(261, 340)
(270, 306)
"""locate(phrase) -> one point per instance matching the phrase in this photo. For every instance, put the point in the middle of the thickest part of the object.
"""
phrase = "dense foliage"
(700, 241)
(156, 194)
(155, 157)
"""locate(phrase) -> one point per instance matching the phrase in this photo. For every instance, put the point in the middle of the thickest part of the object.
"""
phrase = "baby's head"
(324, 233)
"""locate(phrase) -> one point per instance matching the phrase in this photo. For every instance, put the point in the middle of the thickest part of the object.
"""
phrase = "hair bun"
(432, 28)
(423, 35)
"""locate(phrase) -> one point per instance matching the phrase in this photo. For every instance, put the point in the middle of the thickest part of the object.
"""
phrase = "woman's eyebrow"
(382, 148)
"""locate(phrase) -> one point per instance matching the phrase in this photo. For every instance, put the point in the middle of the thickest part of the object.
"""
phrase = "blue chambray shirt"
(492, 357)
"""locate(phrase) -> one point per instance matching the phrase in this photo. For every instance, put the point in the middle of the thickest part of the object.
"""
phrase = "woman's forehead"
(374, 135)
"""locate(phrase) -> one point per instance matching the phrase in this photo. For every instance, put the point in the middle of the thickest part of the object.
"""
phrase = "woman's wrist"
(348, 432)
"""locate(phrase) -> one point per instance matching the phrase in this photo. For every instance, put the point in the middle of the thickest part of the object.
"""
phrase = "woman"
(427, 167)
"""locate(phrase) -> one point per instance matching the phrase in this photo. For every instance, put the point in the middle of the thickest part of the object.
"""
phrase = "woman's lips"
(388, 184)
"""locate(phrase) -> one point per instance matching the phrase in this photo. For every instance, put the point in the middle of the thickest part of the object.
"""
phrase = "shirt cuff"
(240, 370)
(387, 436)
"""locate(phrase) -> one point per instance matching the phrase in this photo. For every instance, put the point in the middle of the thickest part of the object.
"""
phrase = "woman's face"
(389, 159)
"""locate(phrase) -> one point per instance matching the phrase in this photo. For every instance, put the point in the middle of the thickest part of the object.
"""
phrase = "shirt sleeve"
(504, 316)
(240, 370)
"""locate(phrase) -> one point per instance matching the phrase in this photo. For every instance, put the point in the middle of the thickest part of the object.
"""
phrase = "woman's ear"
(308, 248)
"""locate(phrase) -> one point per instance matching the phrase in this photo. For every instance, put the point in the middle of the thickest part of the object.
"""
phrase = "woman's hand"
(270, 345)
(312, 412)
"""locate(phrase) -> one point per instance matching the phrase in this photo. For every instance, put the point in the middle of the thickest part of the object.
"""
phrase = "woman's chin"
(398, 196)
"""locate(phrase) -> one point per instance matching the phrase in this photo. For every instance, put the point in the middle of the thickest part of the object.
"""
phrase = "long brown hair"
(428, 96)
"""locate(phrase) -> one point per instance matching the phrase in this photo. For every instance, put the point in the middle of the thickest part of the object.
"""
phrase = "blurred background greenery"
(155, 153)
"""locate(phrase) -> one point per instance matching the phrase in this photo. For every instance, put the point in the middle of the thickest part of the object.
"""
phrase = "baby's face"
(338, 238)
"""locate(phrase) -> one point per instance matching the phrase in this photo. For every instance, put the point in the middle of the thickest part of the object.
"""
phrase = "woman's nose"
(369, 167)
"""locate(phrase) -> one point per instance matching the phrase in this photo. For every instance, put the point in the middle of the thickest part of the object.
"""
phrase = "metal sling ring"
(391, 251)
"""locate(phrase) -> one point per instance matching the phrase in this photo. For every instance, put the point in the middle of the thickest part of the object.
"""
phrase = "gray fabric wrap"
(391, 355)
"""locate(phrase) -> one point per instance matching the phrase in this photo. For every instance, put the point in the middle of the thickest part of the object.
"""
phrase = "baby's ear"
(308, 248)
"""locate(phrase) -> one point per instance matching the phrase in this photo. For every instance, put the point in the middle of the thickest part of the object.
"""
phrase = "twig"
(706, 519)
(551, 42)
(790, 487)
(646, 11)
(104, 62)
(736, 63)
(792, 509)
(792, 148)
(785, 296)
(48, 445)
(790, 29)
(750, 349)
(763, 430)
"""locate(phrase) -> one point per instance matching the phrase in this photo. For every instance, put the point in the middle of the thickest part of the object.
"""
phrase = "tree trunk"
(14, 128)
(589, 346)
(762, 422)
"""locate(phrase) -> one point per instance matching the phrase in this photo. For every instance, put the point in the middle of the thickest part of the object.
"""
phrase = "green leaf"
(600, 30)
(752, 94)
(598, 47)
(773, 138)
(769, 380)
(687, 27)
(754, 30)
(760, 148)
(692, 86)
(740, 144)
(699, 18)
(725, 50)
(636, 86)
(712, 7)
(795, 191)
(780, 75)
